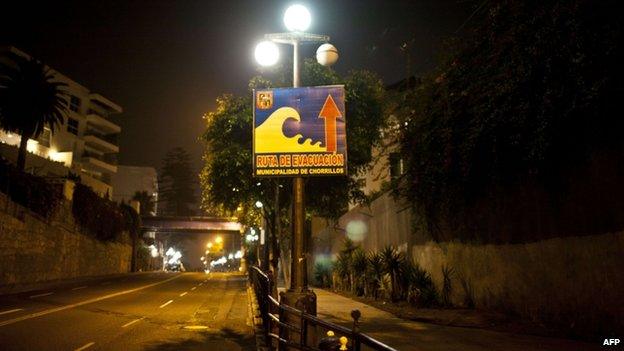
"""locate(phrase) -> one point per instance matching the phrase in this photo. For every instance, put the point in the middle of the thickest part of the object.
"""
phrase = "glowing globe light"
(297, 18)
(266, 53)
(326, 54)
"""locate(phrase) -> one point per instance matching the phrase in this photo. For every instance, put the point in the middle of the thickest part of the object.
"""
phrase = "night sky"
(165, 62)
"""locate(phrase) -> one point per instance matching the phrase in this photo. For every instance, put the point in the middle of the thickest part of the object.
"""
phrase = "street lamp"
(259, 204)
(298, 19)
(267, 53)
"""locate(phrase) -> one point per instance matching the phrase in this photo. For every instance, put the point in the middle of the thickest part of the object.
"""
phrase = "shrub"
(97, 216)
(30, 191)
(392, 264)
(374, 274)
(358, 271)
(322, 274)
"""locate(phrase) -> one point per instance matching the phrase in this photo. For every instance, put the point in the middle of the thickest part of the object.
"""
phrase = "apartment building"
(86, 144)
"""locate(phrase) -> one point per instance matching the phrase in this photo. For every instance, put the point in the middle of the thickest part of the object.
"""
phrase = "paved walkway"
(407, 335)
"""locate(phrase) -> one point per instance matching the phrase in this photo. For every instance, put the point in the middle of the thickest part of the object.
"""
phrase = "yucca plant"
(422, 291)
(341, 271)
(374, 273)
(322, 274)
(392, 264)
(358, 271)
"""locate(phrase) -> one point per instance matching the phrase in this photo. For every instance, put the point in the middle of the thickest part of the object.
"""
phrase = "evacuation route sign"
(300, 132)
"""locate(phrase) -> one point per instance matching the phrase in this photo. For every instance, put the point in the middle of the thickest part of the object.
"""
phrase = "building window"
(396, 165)
(74, 103)
(72, 126)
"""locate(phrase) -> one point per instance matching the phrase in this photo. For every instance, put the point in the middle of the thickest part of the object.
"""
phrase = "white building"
(86, 144)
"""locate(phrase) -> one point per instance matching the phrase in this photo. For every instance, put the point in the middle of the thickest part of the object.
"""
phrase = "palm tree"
(29, 100)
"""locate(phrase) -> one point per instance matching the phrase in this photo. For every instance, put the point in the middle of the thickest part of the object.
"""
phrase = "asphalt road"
(152, 311)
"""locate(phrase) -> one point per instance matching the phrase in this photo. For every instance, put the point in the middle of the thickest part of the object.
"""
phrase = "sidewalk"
(408, 335)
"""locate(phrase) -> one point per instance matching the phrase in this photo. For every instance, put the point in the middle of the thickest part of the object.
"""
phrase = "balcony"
(102, 123)
(102, 143)
(105, 103)
(98, 163)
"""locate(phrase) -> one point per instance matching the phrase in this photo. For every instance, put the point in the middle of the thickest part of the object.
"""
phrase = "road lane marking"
(40, 295)
(86, 302)
(11, 311)
(85, 346)
(196, 327)
(193, 288)
(132, 322)
(165, 304)
(184, 293)
(80, 287)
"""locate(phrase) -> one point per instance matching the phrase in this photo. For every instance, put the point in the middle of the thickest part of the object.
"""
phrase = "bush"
(97, 216)
(322, 274)
(29, 191)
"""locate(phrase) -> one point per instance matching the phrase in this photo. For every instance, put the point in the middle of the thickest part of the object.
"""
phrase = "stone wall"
(34, 251)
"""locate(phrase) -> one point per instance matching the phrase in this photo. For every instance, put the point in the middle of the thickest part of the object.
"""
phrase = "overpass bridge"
(208, 225)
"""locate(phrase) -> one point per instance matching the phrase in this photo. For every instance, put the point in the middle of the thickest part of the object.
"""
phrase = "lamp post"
(297, 20)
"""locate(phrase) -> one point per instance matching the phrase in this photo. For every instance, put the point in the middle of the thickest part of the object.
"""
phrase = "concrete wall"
(384, 222)
(575, 283)
(34, 252)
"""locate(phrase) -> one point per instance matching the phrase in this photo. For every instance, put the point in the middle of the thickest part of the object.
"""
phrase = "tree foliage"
(176, 183)
(522, 103)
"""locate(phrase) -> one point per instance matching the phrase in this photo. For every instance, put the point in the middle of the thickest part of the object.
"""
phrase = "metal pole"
(298, 280)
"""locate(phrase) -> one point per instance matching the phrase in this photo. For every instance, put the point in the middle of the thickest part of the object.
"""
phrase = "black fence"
(287, 328)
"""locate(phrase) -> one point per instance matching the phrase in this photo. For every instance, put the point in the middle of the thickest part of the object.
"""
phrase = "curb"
(255, 320)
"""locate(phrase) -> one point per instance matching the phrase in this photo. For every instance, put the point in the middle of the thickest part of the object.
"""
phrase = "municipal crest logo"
(264, 100)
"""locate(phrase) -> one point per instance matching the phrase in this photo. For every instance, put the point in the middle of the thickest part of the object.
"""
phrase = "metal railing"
(281, 322)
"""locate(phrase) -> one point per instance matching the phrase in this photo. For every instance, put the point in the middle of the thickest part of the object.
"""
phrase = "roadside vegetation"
(384, 275)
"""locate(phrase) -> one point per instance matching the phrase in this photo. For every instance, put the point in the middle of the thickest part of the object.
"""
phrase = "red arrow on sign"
(330, 113)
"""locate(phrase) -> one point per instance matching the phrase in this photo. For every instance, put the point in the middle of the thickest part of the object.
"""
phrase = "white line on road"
(85, 346)
(80, 287)
(184, 293)
(193, 288)
(11, 311)
(40, 295)
(86, 302)
(132, 322)
(165, 304)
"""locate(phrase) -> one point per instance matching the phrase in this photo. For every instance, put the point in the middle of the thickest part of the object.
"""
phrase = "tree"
(147, 202)
(176, 183)
(497, 138)
(29, 100)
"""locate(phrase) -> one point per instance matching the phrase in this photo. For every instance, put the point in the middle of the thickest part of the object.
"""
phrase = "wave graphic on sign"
(269, 137)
